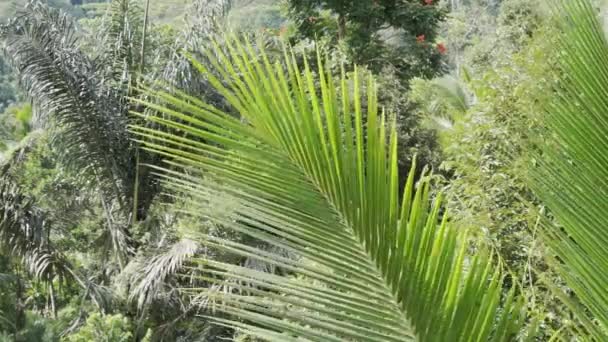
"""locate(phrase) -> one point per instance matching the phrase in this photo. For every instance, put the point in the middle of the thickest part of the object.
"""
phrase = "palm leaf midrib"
(376, 287)
(341, 222)
(378, 283)
(336, 207)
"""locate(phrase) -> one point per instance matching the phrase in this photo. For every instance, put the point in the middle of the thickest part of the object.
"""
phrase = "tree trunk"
(53, 305)
(341, 26)
(19, 305)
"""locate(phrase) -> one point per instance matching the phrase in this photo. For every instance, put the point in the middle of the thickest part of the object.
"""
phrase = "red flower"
(428, 2)
(441, 48)
(420, 38)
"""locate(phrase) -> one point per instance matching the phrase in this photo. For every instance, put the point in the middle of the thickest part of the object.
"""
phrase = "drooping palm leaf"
(305, 173)
(571, 176)
(41, 45)
(25, 231)
(150, 275)
(23, 226)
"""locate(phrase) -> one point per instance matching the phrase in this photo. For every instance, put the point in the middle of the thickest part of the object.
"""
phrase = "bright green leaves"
(571, 173)
(311, 170)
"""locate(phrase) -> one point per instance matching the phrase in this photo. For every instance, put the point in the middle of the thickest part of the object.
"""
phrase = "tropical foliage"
(328, 171)
(331, 177)
(572, 153)
(377, 33)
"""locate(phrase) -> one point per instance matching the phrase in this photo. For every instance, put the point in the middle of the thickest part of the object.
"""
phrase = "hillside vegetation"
(303, 170)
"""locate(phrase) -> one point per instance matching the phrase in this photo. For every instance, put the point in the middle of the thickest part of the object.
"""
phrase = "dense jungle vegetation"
(303, 170)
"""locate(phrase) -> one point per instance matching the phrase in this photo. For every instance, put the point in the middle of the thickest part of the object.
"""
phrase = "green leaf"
(570, 176)
(306, 173)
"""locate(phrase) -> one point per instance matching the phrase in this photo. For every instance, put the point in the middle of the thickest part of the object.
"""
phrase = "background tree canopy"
(266, 170)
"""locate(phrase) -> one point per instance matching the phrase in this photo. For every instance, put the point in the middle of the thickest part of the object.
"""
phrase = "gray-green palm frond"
(23, 227)
(123, 33)
(571, 174)
(309, 175)
(149, 275)
(25, 231)
(87, 115)
(40, 43)
(203, 20)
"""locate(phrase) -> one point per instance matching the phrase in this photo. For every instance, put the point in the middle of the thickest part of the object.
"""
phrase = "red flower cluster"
(420, 38)
(428, 2)
(441, 48)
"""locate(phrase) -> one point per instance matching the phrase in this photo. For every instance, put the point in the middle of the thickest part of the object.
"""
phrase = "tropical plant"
(124, 39)
(570, 173)
(30, 239)
(205, 19)
(111, 328)
(397, 41)
(487, 122)
(80, 97)
(83, 107)
(8, 91)
(62, 82)
(290, 212)
(304, 171)
(376, 33)
(23, 228)
(24, 235)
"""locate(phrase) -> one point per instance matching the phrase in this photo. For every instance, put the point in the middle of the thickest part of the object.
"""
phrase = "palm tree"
(83, 100)
(304, 172)
(84, 105)
(71, 95)
(305, 175)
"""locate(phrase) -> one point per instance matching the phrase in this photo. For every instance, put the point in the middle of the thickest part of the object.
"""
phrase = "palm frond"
(123, 31)
(25, 231)
(23, 226)
(452, 91)
(87, 115)
(204, 20)
(150, 275)
(311, 177)
(102, 296)
(571, 174)
(451, 103)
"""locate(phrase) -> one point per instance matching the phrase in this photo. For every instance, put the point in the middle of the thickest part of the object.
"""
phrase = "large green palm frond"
(305, 172)
(571, 176)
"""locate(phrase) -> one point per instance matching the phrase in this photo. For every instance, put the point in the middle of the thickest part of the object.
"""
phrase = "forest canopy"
(318, 170)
